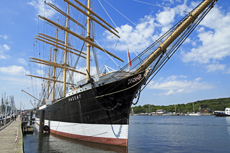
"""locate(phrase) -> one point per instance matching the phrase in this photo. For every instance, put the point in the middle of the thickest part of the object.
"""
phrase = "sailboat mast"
(54, 68)
(65, 53)
(88, 45)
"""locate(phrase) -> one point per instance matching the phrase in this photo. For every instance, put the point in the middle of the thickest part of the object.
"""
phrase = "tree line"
(200, 105)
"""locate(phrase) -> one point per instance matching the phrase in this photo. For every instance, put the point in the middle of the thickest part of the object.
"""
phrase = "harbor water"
(149, 134)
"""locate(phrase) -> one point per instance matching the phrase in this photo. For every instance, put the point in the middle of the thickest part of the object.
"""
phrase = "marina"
(77, 103)
(149, 134)
(155, 134)
(11, 137)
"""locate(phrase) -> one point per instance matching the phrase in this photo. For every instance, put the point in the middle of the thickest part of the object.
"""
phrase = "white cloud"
(42, 8)
(14, 70)
(10, 81)
(180, 90)
(178, 84)
(166, 17)
(169, 92)
(41, 72)
(40, 65)
(2, 57)
(210, 46)
(215, 67)
(174, 77)
(3, 48)
(213, 38)
(138, 37)
(228, 71)
(171, 1)
(22, 61)
(6, 47)
(4, 36)
(147, 30)
(189, 41)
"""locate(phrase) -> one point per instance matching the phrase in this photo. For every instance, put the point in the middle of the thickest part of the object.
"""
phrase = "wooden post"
(42, 117)
(31, 117)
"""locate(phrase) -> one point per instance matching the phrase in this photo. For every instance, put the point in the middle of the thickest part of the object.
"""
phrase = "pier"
(11, 137)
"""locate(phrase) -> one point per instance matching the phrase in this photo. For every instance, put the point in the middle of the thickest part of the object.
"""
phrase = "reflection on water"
(178, 134)
(40, 143)
(118, 133)
(228, 125)
(148, 134)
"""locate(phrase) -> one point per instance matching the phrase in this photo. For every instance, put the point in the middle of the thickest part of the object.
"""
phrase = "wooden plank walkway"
(8, 135)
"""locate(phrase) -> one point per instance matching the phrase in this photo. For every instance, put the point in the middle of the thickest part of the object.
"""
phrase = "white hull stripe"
(101, 133)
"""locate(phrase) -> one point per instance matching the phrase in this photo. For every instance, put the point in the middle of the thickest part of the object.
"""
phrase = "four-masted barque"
(97, 109)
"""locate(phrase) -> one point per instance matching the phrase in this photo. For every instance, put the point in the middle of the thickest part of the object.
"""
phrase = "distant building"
(160, 111)
(208, 110)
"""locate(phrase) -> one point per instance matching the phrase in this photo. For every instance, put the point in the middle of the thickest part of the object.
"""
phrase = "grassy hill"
(212, 104)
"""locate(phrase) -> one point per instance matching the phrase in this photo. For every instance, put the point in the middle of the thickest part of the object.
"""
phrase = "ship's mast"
(163, 46)
(64, 46)
(88, 45)
(54, 68)
(48, 86)
(65, 53)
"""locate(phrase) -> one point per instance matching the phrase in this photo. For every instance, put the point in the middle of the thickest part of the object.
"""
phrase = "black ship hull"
(106, 106)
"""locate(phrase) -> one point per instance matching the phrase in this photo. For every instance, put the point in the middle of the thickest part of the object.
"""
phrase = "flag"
(130, 64)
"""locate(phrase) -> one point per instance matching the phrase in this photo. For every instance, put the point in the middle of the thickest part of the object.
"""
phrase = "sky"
(200, 69)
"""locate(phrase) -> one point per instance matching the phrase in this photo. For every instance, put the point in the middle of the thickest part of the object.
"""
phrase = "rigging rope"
(159, 61)
(138, 94)
(107, 54)
(119, 12)
(116, 25)
(179, 42)
(95, 94)
(165, 56)
(150, 4)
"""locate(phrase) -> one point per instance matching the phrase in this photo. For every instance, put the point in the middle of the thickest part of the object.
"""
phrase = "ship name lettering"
(76, 97)
(135, 79)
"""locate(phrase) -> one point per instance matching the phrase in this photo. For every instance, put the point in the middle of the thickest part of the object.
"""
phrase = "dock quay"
(11, 137)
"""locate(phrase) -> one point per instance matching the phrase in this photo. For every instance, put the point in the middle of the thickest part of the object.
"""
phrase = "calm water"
(149, 134)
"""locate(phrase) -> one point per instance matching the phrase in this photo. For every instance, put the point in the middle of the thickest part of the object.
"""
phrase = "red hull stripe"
(112, 141)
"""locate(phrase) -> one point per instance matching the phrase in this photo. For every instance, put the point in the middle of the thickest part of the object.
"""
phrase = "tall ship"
(96, 108)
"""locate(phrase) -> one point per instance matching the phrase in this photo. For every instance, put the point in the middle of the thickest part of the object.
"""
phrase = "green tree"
(213, 104)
